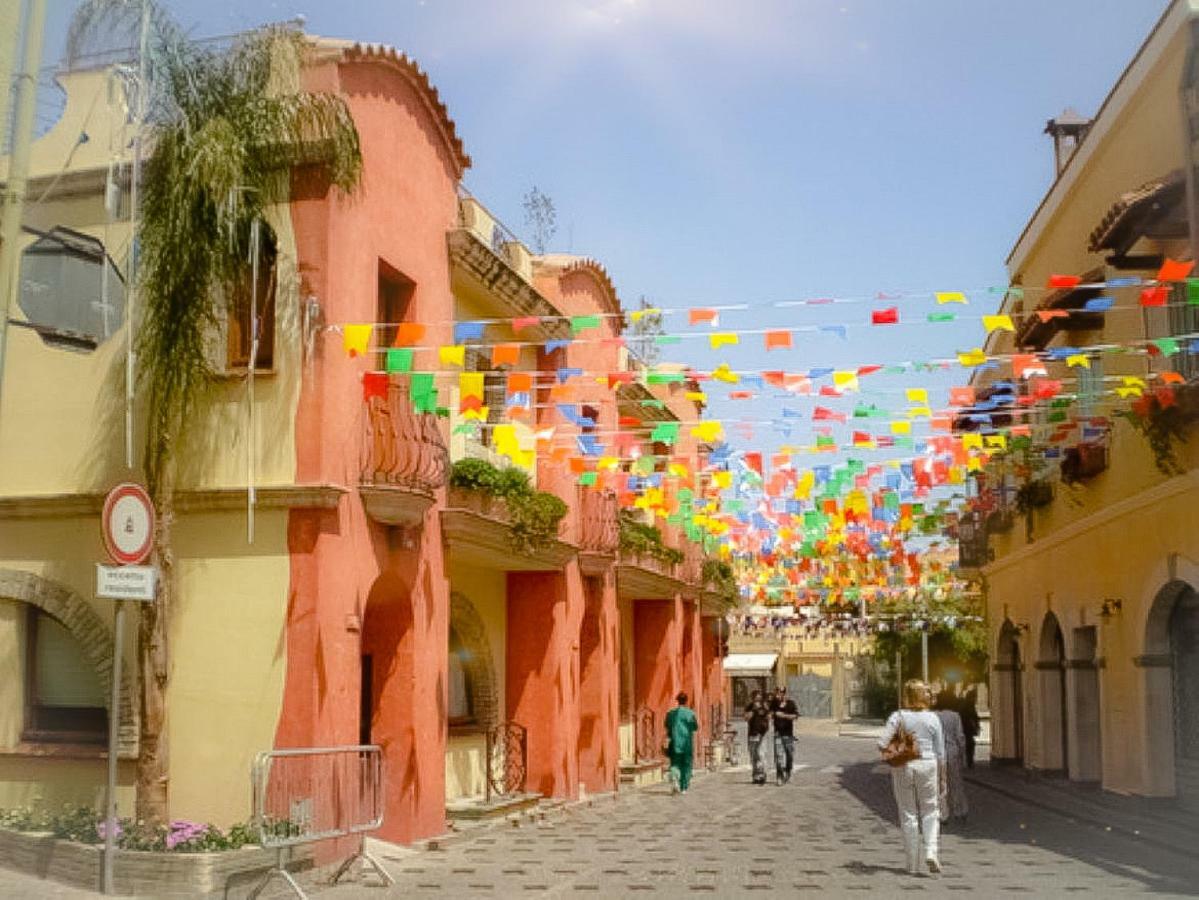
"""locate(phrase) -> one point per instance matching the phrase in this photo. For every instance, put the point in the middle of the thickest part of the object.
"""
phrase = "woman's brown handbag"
(901, 749)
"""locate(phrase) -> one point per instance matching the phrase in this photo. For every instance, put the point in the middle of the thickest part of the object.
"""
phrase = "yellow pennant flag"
(951, 297)
(998, 323)
(972, 441)
(470, 384)
(917, 395)
(901, 427)
(479, 415)
(722, 480)
(1126, 392)
(973, 357)
(708, 431)
(920, 411)
(803, 487)
(974, 464)
(722, 339)
(997, 441)
(723, 373)
(1133, 381)
(847, 381)
(696, 396)
(452, 355)
(1076, 360)
(355, 339)
(638, 314)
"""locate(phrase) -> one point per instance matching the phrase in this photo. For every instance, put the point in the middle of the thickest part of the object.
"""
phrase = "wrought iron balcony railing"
(401, 447)
(599, 531)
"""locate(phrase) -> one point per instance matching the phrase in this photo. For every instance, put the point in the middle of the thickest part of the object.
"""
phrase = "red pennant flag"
(888, 316)
(868, 370)
(1155, 296)
(961, 396)
(754, 461)
(615, 378)
(777, 379)
(1064, 281)
(525, 322)
(374, 384)
(823, 414)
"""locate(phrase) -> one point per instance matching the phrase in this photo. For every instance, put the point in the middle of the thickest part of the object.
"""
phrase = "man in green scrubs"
(680, 725)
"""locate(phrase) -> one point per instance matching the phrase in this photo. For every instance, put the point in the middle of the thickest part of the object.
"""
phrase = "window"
(1183, 320)
(64, 698)
(394, 299)
(70, 290)
(242, 309)
(462, 706)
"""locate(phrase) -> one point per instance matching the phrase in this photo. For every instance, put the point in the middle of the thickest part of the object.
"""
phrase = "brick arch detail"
(89, 630)
(472, 632)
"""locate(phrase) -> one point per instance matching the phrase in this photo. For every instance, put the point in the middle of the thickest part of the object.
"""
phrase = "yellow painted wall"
(487, 591)
(1120, 534)
(228, 660)
(64, 409)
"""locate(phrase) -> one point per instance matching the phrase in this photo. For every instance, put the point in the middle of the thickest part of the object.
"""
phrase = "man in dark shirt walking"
(784, 712)
(757, 714)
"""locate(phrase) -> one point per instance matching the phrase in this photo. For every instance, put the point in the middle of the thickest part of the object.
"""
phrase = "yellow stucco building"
(1091, 587)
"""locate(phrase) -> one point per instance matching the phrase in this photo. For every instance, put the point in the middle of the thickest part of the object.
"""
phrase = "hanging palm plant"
(228, 127)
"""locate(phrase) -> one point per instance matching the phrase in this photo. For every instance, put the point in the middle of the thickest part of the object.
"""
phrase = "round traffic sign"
(128, 524)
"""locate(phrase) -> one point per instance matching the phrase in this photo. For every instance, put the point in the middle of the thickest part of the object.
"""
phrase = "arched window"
(462, 704)
(64, 697)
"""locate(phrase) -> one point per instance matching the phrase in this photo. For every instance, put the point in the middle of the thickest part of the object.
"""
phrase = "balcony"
(477, 528)
(502, 267)
(641, 576)
(598, 530)
(404, 459)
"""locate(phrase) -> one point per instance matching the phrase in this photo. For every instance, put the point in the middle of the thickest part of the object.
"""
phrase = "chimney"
(1067, 131)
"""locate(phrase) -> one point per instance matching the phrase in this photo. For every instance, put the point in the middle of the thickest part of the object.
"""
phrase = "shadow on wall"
(994, 818)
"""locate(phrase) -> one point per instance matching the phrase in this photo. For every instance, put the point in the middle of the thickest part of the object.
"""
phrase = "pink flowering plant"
(86, 825)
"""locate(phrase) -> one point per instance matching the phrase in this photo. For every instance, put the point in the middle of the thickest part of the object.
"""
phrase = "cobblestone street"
(831, 830)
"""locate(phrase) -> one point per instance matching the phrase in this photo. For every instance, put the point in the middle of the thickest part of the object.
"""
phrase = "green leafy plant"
(230, 126)
(645, 540)
(720, 576)
(533, 516)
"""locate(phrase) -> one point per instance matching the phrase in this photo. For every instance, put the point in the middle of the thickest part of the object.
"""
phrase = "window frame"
(35, 726)
(239, 316)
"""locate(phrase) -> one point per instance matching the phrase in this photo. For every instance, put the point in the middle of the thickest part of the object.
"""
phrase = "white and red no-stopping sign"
(128, 524)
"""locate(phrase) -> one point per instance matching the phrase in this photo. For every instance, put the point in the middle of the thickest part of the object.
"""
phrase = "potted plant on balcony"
(1165, 417)
(533, 516)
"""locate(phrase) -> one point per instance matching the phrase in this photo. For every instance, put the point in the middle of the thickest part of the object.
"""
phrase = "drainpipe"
(18, 163)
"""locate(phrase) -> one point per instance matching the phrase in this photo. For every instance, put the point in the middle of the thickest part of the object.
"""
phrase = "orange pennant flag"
(778, 340)
(699, 314)
(505, 355)
(409, 333)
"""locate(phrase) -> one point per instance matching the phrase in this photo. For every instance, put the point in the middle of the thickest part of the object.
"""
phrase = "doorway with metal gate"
(813, 694)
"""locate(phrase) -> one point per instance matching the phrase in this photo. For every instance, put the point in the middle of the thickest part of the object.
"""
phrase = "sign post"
(127, 524)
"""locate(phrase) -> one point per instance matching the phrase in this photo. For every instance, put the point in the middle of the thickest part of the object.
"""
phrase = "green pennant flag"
(399, 360)
(664, 378)
(664, 340)
(654, 404)
(941, 317)
(665, 432)
(645, 465)
(582, 323)
(422, 393)
(587, 479)
(1193, 290)
(1167, 346)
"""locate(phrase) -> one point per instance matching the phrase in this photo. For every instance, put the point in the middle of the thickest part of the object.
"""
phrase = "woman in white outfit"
(917, 783)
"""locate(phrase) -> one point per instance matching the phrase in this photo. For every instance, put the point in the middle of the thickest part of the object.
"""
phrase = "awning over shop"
(750, 663)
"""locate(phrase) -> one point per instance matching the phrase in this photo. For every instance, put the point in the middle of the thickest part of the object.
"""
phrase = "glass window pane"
(64, 677)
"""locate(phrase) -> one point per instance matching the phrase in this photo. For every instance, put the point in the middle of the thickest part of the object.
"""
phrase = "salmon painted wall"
(545, 611)
(353, 587)
(599, 685)
(656, 644)
(712, 668)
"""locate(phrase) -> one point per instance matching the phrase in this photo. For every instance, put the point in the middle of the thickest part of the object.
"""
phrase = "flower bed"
(184, 859)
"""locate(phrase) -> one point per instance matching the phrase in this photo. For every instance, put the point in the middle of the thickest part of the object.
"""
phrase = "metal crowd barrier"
(305, 795)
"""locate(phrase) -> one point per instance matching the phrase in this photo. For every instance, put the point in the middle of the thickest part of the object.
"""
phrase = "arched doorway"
(1008, 740)
(1086, 738)
(386, 716)
(1184, 659)
(1052, 697)
(1171, 681)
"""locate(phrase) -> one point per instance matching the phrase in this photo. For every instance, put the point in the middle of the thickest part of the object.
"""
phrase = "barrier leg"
(282, 873)
(369, 860)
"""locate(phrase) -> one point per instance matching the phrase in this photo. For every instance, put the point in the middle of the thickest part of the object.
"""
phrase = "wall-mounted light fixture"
(1110, 606)
(1021, 627)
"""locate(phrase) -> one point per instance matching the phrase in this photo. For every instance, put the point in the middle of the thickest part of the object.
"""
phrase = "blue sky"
(710, 152)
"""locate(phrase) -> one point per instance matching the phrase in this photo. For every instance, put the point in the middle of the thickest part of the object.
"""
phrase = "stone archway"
(467, 624)
(1007, 702)
(93, 636)
(1051, 700)
(1171, 667)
